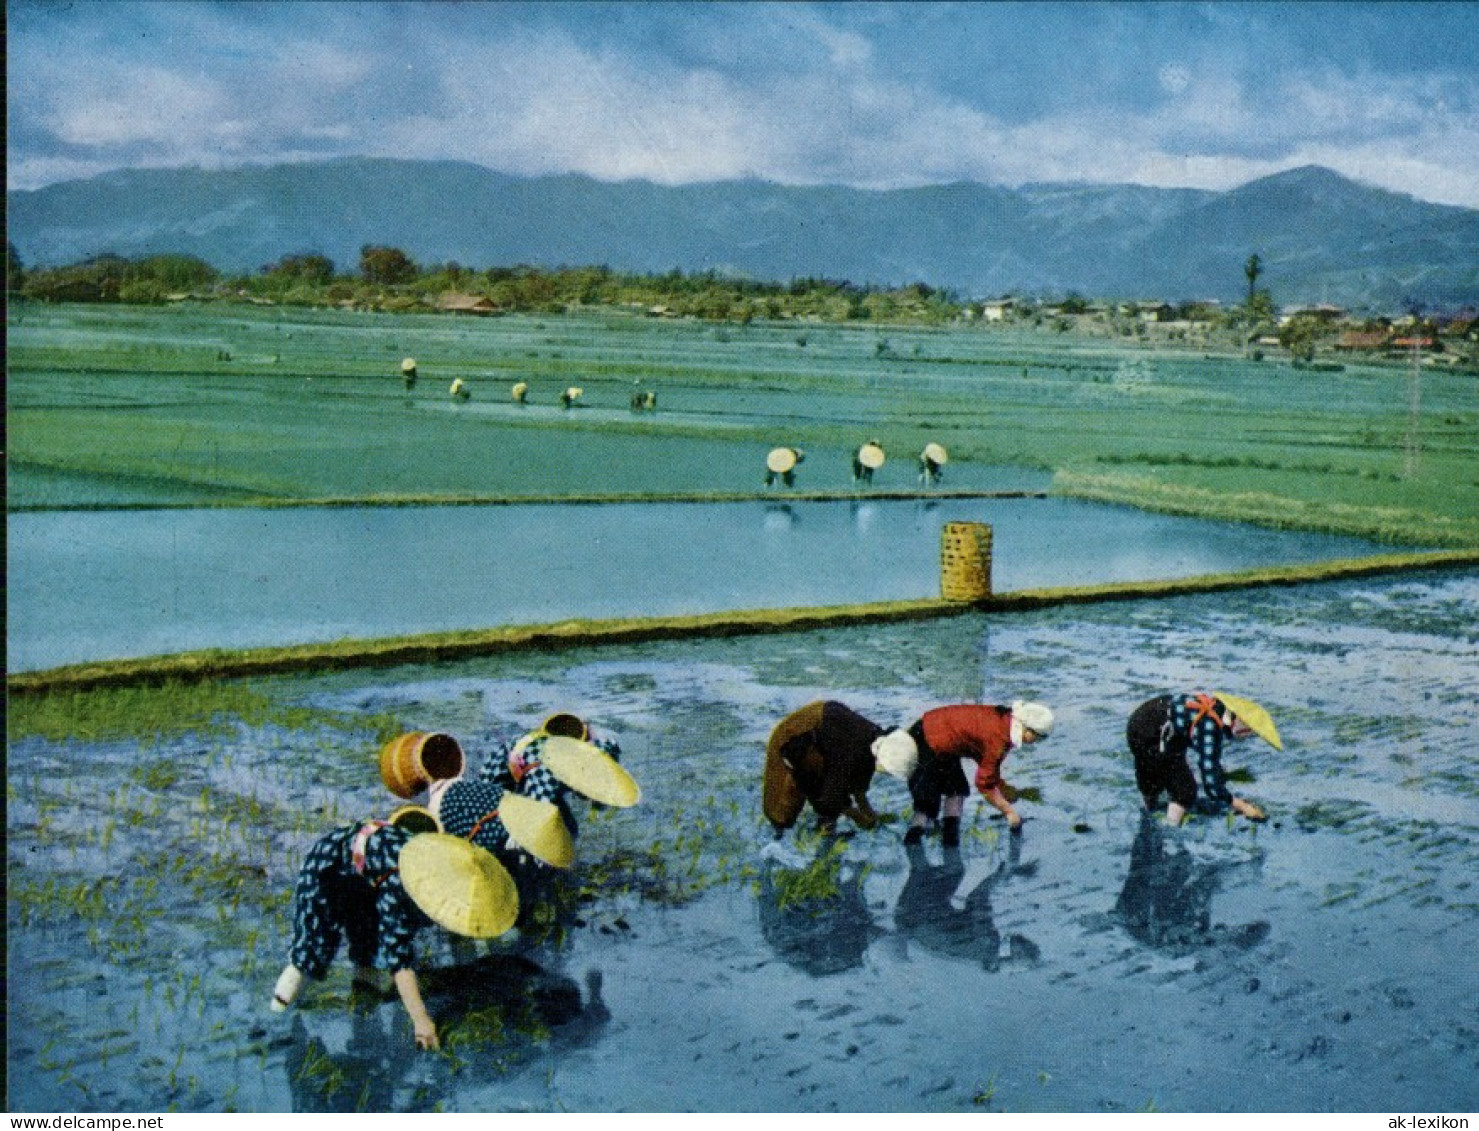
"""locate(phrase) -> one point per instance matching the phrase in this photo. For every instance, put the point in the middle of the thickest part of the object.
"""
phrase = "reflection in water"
(941, 912)
(145, 582)
(822, 929)
(780, 516)
(361, 1078)
(864, 516)
(495, 1014)
(1167, 898)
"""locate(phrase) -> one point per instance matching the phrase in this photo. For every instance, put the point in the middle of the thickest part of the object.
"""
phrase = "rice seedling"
(817, 882)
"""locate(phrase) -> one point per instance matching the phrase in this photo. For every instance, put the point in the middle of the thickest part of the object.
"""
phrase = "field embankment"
(187, 668)
(1391, 524)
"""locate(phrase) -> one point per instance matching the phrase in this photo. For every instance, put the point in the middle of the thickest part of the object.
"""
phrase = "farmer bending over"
(982, 734)
(820, 754)
(379, 884)
(1162, 731)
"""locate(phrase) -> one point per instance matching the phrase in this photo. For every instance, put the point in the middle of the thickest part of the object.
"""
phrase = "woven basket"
(410, 763)
(965, 561)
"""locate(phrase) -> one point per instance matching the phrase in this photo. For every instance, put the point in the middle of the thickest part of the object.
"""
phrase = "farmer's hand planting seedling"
(1162, 731)
(984, 735)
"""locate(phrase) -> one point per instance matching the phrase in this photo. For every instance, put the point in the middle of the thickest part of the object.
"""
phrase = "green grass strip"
(1377, 523)
(213, 664)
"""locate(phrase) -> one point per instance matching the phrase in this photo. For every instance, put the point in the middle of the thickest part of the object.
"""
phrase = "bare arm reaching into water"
(410, 990)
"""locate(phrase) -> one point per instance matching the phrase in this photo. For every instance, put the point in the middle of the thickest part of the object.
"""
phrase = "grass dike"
(1391, 525)
(218, 664)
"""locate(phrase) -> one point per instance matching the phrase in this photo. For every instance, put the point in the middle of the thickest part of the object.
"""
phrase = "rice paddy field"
(1321, 961)
(229, 404)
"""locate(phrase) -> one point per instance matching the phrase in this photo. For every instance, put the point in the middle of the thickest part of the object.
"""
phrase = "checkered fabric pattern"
(1204, 734)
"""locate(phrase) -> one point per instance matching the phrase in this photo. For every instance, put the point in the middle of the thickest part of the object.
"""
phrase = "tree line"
(386, 278)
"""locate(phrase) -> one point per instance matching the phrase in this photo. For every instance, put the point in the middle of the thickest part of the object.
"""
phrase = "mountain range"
(1320, 236)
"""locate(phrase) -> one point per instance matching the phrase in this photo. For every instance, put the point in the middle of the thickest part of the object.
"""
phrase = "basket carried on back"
(410, 763)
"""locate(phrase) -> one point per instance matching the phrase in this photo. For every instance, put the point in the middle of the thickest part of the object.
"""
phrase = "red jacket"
(982, 734)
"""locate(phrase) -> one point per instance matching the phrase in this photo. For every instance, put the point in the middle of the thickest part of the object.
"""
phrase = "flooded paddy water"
(1322, 961)
(90, 585)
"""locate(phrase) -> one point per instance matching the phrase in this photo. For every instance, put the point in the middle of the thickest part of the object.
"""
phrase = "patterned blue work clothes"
(1204, 733)
(526, 774)
(469, 808)
(334, 899)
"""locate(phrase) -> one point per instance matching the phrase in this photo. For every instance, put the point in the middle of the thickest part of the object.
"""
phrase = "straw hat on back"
(780, 460)
(538, 828)
(459, 885)
(589, 770)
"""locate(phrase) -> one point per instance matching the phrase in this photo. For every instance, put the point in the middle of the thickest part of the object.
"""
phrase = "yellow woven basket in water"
(965, 561)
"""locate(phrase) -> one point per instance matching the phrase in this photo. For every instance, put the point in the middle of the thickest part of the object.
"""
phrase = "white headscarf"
(1033, 716)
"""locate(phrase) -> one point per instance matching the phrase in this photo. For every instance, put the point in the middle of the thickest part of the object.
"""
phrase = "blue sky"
(873, 95)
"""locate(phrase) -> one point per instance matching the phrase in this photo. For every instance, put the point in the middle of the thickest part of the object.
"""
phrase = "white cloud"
(168, 112)
(322, 68)
(820, 104)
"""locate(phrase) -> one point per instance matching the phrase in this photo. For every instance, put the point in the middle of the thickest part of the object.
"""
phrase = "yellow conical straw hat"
(589, 770)
(871, 455)
(538, 828)
(780, 460)
(459, 885)
(1259, 721)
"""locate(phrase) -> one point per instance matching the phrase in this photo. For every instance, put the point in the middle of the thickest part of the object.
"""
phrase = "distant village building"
(1362, 341)
(1324, 312)
(455, 303)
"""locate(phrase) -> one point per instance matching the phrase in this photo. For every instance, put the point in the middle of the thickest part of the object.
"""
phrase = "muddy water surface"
(1322, 961)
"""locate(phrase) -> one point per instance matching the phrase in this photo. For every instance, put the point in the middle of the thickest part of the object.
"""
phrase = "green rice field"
(247, 404)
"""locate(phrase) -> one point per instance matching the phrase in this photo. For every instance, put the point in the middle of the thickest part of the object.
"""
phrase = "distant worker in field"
(1164, 730)
(460, 391)
(947, 736)
(521, 392)
(781, 464)
(643, 400)
(571, 395)
(823, 755)
(379, 884)
(866, 460)
(932, 463)
(408, 373)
